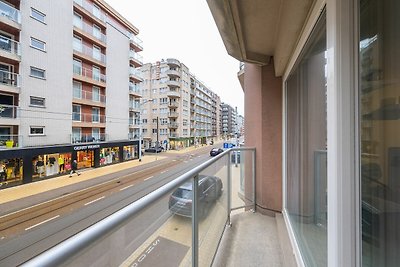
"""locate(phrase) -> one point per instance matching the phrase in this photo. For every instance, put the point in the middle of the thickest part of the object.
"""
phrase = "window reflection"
(380, 132)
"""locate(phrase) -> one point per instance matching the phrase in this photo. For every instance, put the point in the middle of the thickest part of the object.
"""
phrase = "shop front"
(18, 166)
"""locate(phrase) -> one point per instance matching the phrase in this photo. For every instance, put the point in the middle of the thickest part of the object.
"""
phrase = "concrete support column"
(263, 124)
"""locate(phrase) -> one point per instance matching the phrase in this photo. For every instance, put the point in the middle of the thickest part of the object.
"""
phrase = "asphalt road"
(33, 225)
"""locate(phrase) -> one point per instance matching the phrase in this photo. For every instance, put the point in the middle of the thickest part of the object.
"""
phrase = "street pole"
(140, 134)
(157, 145)
(237, 137)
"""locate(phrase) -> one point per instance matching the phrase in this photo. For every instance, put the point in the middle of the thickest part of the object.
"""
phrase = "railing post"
(229, 188)
(254, 180)
(195, 223)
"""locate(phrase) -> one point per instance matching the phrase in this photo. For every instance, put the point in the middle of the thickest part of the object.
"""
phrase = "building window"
(96, 94)
(96, 73)
(38, 73)
(77, 66)
(37, 101)
(96, 31)
(154, 131)
(36, 43)
(39, 16)
(96, 115)
(77, 43)
(306, 149)
(96, 53)
(36, 130)
(77, 21)
(77, 89)
(96, 133)
(96, 11)
(76, 113)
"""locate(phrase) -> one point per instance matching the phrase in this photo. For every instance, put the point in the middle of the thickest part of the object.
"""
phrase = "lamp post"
(140, 127)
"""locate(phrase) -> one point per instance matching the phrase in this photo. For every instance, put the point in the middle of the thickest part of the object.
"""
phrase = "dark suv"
(210, 189)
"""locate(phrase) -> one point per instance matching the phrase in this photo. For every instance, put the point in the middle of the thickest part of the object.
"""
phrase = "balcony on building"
(92, 11)
(134, 123)
(173, 104)
(172, 62)
(87, 31)
(89, 76)
(10, 141)
(86, 52)
(88, 138)
(135, 75)
(88, 120)
(173, 135)
(173, 114)
(88, 98)
(135, 59)
(173, 83)
(8, 114)
(10, 17)
(136, 42)
(173, 94)
(134, 106)
(10, 50)
(173, 125)
(134, 89)
(9, 82)
(173, 73)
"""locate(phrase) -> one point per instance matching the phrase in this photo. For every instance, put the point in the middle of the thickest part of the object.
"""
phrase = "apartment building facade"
(228, 120)
(177, 109)
(66, 71)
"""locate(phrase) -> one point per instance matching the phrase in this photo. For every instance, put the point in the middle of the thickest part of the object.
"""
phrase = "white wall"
(57, 61)
(117, 91)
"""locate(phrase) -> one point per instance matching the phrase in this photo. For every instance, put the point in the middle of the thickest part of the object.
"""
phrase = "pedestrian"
(74, 168)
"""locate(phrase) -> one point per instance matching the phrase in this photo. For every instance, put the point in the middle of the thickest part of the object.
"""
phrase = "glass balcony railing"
(10, 12)
(134, 105)
(10, 46)
(88, 138)
(9, 79)
(8, 111)
(135, 56)
(95, 97)
(136, 73)
(10, 141)
(87, 117)
(95, 32)
(136, 41)
(89, 51)
(135, 88)
(78, 70)
(185, 218)
(96, 11)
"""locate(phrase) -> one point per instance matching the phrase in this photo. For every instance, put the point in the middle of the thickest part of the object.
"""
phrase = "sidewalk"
(26, 190)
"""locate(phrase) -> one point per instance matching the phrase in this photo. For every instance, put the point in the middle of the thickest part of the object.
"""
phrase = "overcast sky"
(185, 30)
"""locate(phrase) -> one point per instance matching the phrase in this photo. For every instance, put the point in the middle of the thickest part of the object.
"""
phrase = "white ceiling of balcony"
(256, 30)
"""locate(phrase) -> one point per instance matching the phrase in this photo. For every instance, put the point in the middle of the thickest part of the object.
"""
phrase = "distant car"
(209, 190)
(216, 151)
(153, 149)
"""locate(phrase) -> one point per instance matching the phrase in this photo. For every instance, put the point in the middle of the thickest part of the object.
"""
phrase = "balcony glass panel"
(10, 12)
(9, 45)
(307, 148)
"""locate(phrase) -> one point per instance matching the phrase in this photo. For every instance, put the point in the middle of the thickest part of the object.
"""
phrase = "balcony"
(88, 31)
(136, 42)
(173, 125)
(134, 106)
(10, 141)
(10, 17)
(89, 76)
(88, 120)
(134, 89)
(231, 195)
(88, 98)
(173, 73)
(135, 59)
(172, 62)
(92, 11)
(173, 114)
(173, 83)
(90, 54)
(173, 135)
(10, 50)
(135, 75)
(9, 82)
(173, 104)
(88, 138)
(8, 112)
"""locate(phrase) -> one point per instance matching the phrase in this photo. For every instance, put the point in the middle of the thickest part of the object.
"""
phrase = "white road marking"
(126, 187)
(164, 171)
(148, 178)
(26, 229)
(90, 202)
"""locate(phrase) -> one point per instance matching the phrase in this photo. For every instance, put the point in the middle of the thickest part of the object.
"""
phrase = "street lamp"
(140, 127)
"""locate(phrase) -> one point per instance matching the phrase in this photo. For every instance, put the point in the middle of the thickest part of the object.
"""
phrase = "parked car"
(215, 151)
(154, 149)
(209, 190)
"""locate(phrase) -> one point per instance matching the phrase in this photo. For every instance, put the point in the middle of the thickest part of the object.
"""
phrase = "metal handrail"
(63, 251)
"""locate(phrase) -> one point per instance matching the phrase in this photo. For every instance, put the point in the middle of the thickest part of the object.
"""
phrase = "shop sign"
(77, 148)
